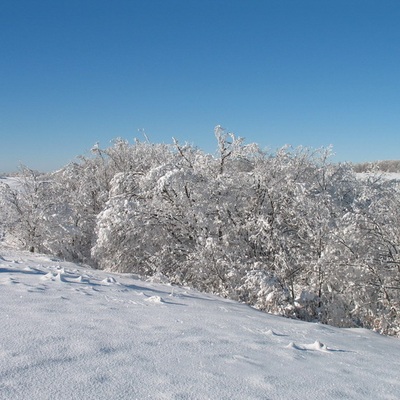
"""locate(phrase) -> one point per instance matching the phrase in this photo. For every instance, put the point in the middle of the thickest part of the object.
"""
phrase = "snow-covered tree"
(27, 208)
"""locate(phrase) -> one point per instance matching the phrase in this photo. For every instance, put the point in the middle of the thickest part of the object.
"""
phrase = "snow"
(388, 176)
(71, 332)
(12, 182)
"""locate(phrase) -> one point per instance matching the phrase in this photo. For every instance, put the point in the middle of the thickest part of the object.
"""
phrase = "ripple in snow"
(270, 332)
(80, 279)
(60, 277)
(48, 277)
(8, 281)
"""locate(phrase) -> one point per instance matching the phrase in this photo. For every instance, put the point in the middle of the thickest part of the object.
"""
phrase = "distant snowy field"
(13, 182)
(69, 332)
(394, 176)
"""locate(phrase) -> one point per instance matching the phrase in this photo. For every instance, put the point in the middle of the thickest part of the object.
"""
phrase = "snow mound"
(109, 281)
(155, 299)
(316, 346)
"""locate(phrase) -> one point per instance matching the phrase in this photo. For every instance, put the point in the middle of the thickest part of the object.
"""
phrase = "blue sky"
(276, 72)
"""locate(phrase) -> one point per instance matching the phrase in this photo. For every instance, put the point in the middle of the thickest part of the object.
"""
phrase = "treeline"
(288, 232)
(391, 166)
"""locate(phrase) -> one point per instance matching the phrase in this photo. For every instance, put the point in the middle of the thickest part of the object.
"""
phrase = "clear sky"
(300, 72)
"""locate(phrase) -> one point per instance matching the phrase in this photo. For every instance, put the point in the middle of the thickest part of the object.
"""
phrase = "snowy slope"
(67, 332)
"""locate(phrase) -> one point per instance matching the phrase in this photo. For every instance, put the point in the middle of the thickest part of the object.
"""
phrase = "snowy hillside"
(68, 332)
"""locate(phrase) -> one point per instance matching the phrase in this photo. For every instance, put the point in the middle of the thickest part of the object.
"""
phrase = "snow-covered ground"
(389, 176)
(69, 332)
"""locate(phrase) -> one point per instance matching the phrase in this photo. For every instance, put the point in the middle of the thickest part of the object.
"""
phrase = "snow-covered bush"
(288, 232)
